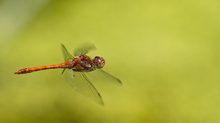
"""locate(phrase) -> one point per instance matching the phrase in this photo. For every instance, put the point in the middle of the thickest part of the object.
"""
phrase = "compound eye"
(99, 62)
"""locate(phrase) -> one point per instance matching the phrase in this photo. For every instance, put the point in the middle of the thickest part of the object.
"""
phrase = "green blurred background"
(166, 53)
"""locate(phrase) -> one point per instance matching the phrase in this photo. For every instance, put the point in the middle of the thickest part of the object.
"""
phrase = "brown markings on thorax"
(84, 64)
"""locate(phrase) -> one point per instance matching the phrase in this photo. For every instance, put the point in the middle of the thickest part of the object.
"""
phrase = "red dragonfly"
(76, 67)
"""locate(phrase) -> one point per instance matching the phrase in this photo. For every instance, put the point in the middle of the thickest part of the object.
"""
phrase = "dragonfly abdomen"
(33, 69)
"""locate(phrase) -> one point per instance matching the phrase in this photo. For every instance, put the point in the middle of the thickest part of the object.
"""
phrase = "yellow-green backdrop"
(166, 52)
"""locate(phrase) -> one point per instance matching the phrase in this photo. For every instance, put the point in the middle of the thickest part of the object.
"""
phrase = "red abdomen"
(68, 64)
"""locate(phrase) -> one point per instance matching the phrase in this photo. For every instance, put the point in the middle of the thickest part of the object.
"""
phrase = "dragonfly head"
(99, 62)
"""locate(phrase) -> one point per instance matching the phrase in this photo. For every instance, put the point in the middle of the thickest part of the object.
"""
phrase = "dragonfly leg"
(63, 71)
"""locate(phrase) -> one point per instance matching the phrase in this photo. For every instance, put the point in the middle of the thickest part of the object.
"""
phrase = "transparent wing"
(67, 56)
(80, 82)
(105, 76)
(109, 76)
(84, 49)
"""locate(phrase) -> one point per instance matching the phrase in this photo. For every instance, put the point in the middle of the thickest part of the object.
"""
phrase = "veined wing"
(109, 76)
(67, 56)
(84, 49)
(80, 82)
(102, 75)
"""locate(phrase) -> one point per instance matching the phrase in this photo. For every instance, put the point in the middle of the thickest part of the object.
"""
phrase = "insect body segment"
(67, 64)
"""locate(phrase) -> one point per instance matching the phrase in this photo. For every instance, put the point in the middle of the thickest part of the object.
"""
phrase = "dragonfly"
(76, 67)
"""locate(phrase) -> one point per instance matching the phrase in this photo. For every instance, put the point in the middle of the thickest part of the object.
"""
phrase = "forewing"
(108, 76)
(67, 56)
(80, 82)
(84, 49)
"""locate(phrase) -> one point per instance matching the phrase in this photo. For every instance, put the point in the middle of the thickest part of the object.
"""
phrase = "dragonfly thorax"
(86, 64)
